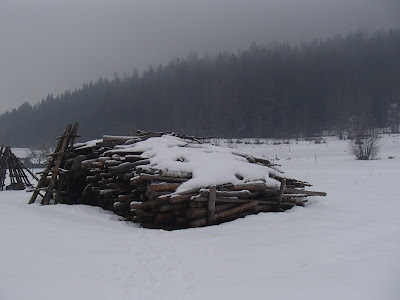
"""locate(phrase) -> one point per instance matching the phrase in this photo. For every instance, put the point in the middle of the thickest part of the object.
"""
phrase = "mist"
(51, 46)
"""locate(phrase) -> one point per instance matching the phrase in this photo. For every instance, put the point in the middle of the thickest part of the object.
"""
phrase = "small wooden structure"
(16, 171)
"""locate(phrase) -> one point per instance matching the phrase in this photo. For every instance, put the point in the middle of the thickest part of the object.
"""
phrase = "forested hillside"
(278, 90)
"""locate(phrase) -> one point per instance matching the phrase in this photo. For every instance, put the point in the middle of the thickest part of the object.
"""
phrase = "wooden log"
(143, 197)
(37, 189)
(117, 139)
(135, 219)
(290, 182)
(153, 195)
(253, 159)
(182, 221)
(234, 217)
(137, 180)
(92, 178)
(235, 210)
(115, 185)
(102, 160)
(224, 214)
(109, 192)
(149, 204)
(90, 163)
(144, 213)
(192, 192)
(238, 194)
(254, 186)
(105, 145)
(196, 204)
(121, 206)
(127, 166)
(211, 204)
(300, 202)
(117, 157)
(177, 198)
(132, 158)
(250, 159)
(105, 175)
(142, 219)
(168, 217)
(148, 170)
(264, 162)
(125, 198)
(103, 181)
(121, 152)
(148, 177)
(303, 192)
(137, 205)
(95, 170)
(162, 187)
(128, 176)
(176, 174)
(238, 201)
(164, 218)
(196, 213)
(112, 163)
(179, 212)
(264, 208)
(169, 207)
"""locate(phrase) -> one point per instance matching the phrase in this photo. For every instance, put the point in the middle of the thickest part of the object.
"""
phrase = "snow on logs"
(172, 182)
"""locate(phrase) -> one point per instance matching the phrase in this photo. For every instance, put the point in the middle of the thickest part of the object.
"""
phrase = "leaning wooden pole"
(23, 167)
(46, 171)
(60, 156)
(62, 179)
(4, 165)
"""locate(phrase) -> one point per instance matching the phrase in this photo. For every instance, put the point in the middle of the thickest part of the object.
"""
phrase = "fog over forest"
(48, 47)
(280, 91)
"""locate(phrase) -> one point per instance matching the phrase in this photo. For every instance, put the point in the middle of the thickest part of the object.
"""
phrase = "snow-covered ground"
(343, 246)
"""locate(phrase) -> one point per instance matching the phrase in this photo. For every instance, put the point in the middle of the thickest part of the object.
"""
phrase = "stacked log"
(127, 183)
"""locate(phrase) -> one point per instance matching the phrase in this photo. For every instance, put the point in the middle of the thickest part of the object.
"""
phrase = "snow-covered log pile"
(171, 182)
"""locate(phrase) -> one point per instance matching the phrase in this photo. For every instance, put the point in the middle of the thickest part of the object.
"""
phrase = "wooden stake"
(211, 204)
(280, 194)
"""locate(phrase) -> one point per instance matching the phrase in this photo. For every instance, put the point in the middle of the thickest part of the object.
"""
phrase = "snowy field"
(343, 246)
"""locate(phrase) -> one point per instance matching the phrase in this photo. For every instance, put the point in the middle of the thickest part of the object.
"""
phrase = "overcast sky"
(48, 46)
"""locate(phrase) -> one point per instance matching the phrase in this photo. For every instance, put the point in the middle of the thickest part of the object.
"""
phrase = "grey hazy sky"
(48, 46)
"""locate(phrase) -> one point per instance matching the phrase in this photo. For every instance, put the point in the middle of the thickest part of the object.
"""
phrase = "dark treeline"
(275, 91)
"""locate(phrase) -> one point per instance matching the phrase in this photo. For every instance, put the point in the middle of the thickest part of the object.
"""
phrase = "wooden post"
(280, 194)
(211, 204)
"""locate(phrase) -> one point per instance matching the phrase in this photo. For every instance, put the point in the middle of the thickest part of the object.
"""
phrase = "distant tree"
(39, 156)
(394, 117)
(365, 145)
